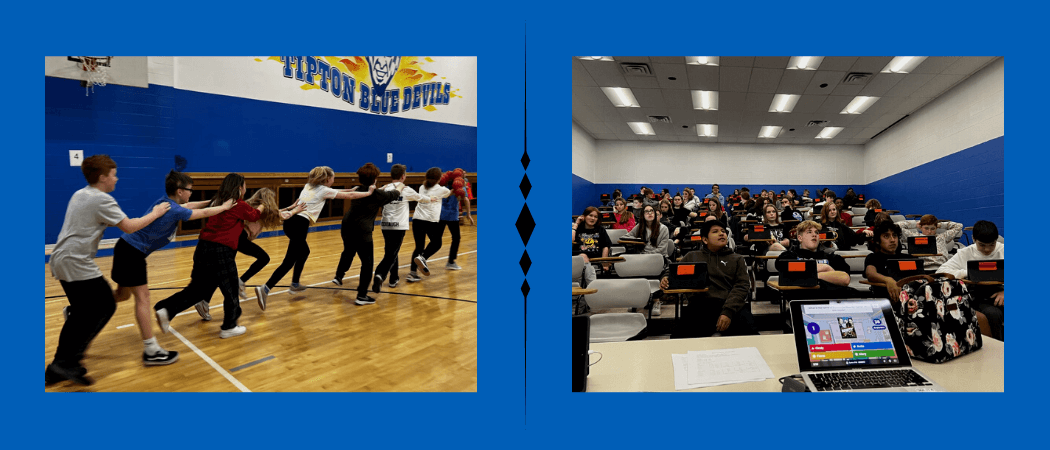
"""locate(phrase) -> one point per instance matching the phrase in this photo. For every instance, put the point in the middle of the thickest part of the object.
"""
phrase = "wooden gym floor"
(314, 341)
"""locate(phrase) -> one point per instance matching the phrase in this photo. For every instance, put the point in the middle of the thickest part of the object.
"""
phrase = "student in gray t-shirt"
(91, 300)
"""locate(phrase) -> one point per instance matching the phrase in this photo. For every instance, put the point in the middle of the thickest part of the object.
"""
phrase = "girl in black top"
(869, 217)
(588, 238)
(887, 246)
(830, 220)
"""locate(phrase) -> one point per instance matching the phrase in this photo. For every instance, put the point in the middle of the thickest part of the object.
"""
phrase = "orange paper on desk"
(796, 267)
(878, 210)
(908, 265)
(921, 241)
(823, 235)
(707, 200)
(986, 265)
(685, 269)
(703, 214)
(759, 228)
(695, 238)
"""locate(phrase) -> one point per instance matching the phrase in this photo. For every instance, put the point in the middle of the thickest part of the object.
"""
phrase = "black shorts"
(129, 265)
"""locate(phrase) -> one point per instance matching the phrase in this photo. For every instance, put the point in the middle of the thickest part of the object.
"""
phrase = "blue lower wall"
(144, 129)
(583, 194)
(963, 187)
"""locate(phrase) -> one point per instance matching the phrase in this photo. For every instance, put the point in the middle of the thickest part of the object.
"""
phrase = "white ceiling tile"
(633, 114)
(649, 98)
(935, 64)
(834, 104)
(701, 116)
(605, 73)
(909, 84)
(732, 101)
(608, 137)
(809, 103)
(836, 63)
(764, 80)
(632, 59)
(880, 84)
(846, 89)
(610, 113)
(758, 102)
(885, 120)
(938, 85)
(678, 98)
(857, 141)
(869, 132)
(736, 61)
(847, 133)
(772, 62)
(646, 82)
(584, 113)
(967, 65)
(908, 105)
(832, 79)
(693, 138)
(665, 71)
(596, 128)
(588, 95)
(667, 59)
(749, 140)
(863, 120)
(734, 79)
(704, 78)
(580, 76)
(870, 64)
(795, 81)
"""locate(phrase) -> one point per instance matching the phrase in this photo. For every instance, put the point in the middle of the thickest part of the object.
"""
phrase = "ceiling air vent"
(655, 119)
(856, 78)
(817, 123)
(641, 69)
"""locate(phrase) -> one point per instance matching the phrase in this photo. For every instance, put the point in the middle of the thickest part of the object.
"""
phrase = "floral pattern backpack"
(936, 320)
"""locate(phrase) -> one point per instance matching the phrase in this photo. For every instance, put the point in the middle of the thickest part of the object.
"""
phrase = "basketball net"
(96, 73)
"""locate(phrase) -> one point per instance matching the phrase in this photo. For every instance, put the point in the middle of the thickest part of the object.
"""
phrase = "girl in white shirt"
(426, 222)
(317, 190)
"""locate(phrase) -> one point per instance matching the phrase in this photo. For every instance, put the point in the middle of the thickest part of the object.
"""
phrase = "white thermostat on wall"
(76, 157)
(389, 157)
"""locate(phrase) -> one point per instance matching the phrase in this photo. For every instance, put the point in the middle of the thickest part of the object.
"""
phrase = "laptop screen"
(834, 335)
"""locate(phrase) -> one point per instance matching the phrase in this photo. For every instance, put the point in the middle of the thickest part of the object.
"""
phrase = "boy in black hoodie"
(832, 269)
(723, 307)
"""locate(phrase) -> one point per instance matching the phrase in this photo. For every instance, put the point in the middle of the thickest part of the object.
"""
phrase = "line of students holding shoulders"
(796, 242)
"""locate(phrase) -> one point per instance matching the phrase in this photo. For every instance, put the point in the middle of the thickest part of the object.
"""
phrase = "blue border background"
(497, 415)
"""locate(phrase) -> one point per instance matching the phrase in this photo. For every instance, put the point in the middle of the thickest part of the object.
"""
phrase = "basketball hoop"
(96, 70)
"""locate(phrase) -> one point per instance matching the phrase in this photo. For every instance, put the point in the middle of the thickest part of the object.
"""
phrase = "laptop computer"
(797, 273)
(903, 268)
(853, 345)
(687, 275)
(758, 231)
(922, 245)
(988, 270)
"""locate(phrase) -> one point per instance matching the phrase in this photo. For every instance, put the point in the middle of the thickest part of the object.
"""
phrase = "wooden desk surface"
(645, 366)
(983, 283)
(684, 291)
(583, 291)
(609, 259)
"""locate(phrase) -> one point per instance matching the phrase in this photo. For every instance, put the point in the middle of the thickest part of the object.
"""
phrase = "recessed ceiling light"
(783, 103)
(705, 100)
(706, 130)
(596, 58)
(829, 132)
(642, 128)
(805, 62)
(621, 97)
(770, 132)
(859, 105)
(903, 64)
(702, 60)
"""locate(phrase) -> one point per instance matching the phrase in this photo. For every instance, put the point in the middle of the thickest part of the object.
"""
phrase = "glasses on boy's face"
(187, 189)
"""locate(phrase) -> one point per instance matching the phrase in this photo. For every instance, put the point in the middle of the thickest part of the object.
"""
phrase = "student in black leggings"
(317, 190)
(426, 224)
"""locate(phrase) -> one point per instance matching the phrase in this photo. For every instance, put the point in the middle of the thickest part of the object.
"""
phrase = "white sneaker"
(656, 308)
(260, 294)
(235, 331)
(204, 309)
(162, 319)
(240, 290)
(421, 262)
(452, 266)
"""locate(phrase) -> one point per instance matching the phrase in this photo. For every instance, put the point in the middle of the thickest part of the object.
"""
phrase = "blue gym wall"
(963, 187)
(143, 130)
(584, 194)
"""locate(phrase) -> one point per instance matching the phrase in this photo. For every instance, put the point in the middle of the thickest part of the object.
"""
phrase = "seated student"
(927, 226)
(832, 221)
(648, 198)
(847, 217)
(714, 208)
(716, 195)
(828, 196)
(776, 232)
(865, 234)
(650, 230)
(590, 240)
(722, 308)
(832, 269)
(986, 299)
(624, 218)
(850, 198)
(788, 210)
(887, 246)
(796, 201)
(869, 217)
(680, 219)
(692, 203)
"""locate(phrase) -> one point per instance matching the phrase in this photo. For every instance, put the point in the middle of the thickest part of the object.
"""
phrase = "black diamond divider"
(525, 263)
(525, 160)
(525, 289)
(525, 186)
(525, 224)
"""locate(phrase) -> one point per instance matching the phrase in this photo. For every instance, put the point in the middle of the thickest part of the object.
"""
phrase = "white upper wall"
(262, 78)
(969, 114)
(583, 154)
(638, 162)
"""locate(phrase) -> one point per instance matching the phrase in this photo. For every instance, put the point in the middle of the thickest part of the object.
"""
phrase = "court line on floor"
(208, 360)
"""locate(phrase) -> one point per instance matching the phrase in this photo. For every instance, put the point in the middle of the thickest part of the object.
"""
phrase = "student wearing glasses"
(131, 250)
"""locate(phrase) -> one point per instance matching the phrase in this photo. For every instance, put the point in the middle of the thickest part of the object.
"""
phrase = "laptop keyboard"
(870, 379)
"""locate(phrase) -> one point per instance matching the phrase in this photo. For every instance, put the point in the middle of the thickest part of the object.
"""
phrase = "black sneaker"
(365, 300)
(393, 281)
(377, 283)
(161, 358)
(338, 280)
(54, 374)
